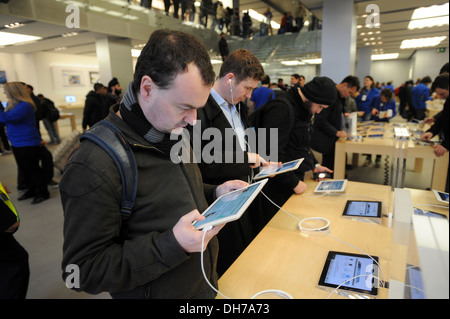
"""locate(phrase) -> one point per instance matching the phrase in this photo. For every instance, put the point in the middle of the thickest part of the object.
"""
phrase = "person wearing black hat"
(291, 114)
(94, 109)
(113, 96)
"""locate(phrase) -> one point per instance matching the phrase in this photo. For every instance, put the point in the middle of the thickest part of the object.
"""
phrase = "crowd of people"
(156, 252)
(232, 22)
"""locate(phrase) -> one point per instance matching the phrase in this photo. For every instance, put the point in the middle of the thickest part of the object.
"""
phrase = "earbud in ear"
(229, 81)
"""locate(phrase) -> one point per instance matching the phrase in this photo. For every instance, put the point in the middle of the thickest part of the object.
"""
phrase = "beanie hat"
(321, 90)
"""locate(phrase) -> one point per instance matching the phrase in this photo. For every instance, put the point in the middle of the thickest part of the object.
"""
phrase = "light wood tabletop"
(284, 258)
(385, 146)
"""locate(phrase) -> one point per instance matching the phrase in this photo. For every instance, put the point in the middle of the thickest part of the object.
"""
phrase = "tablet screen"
(422, 212)
(230, 206)
(274, 170)
(353, 272)
(331, 186)
(441, 196)
(355, 208)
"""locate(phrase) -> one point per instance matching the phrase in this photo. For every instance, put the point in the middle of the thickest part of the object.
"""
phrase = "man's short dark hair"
(426, 80)
(243, 64)
(440, 82)
(387, 93)
(167, 54)
(265, 79)
(296, 76)
(352, 81)
(98, 86)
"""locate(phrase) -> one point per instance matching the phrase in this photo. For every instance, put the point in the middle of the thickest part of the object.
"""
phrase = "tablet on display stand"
(363, 210)
(230, 206)
(354, 273)
(331, 186)
(275, 170)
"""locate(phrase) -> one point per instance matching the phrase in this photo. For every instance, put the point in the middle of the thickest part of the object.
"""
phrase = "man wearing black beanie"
(291, 114)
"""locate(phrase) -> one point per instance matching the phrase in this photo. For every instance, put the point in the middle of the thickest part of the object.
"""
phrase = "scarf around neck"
(132, 114)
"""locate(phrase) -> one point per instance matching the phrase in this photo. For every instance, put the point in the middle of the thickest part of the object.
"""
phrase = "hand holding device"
(189, 238)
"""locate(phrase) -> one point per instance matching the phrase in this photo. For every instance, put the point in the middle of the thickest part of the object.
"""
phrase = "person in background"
(364, 99)
(329, 124)
(39, 113)
(404, 96)
(4, 139)
(94, 108)
(268, 19)
(261, 94)
(25, 140)
(291, 114)
(47, 105)
(295, 80)
(300, 13)
(223, 46)
(383, 109)
(420, 94)
(441, 123)
(14, 265)
(113, 95)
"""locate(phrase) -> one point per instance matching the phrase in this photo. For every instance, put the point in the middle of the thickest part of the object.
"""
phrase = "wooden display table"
(281, 257)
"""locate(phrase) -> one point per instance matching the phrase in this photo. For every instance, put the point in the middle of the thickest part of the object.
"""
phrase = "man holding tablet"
(291, 114)
(239, 75)
(159, 254)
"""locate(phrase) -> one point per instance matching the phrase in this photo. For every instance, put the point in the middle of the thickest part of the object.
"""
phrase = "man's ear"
(146, 87)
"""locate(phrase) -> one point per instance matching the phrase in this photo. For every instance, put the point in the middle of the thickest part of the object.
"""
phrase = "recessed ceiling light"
(387, 56)
(14, 25)
(422, 42)
(8, 38)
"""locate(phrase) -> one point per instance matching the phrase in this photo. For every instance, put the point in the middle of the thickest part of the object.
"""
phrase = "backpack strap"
(110, 138)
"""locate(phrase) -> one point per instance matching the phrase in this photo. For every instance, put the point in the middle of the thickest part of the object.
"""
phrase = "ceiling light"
(313, 61)
(422, 42)
(427, 23)
(119, 2)
(291, 63)
(387, 56)
(8, 38)
(430, 12)
(76, 3)
(216, 61)
(114, 13)
(426, 17)
(97, 9)
(14, 25)
(135, 53)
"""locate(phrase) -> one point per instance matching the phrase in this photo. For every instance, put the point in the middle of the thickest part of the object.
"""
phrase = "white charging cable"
(277, 292)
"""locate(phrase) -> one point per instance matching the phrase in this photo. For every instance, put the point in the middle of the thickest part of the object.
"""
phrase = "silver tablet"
(275, 170)
(230, 206)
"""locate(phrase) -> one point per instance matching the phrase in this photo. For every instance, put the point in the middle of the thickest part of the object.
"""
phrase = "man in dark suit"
(239, 75)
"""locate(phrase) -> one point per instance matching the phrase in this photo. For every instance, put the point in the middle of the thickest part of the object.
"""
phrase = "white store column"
(338, 39)
(364, 63)
(115, 60)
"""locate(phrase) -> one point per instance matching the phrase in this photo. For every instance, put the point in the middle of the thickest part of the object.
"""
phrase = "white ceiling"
(394, 18)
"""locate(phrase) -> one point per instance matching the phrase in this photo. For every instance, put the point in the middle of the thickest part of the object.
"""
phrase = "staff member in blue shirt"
(365, 98)
(381, 105)
(419, 95)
